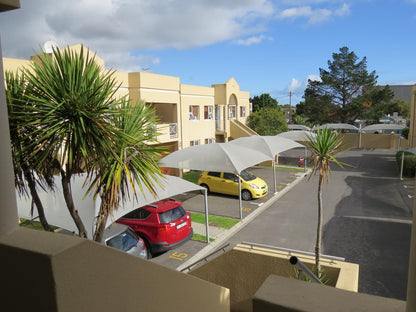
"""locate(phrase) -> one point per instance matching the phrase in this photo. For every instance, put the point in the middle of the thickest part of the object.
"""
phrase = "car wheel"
(246, 195)
(205, 186)
(149, 252)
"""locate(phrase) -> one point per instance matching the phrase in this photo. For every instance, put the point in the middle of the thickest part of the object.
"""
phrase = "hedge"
(409, 165)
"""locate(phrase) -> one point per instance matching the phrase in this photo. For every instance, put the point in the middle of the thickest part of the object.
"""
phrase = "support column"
(8, 212)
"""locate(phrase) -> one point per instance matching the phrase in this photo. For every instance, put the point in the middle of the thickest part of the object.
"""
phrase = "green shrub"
(405, 133)
(409, 164)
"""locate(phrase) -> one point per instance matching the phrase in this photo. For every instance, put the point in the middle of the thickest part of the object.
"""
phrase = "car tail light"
(200, 176)
(163, 228)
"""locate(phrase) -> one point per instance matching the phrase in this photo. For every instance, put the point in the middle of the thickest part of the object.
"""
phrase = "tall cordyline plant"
(27, 178)
(324, 146)
(139, 161)
(73, 107)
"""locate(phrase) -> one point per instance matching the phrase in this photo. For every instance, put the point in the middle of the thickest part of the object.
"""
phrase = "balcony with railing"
(167, 132)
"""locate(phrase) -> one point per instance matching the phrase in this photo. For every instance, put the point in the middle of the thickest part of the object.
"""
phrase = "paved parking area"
(223, 205)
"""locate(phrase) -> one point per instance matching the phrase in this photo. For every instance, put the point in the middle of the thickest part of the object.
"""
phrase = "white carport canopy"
(269, 145)
(339, 126)
(299, 135)
(222, 157)
(57, 213)
(376, 127)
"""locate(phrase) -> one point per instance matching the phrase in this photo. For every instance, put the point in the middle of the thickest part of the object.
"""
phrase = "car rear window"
(124, 241)
(139, 213)
(172, 215)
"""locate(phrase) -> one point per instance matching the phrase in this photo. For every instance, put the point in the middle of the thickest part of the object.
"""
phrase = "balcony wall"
(289, 295)
(244, 269)
(47, 271)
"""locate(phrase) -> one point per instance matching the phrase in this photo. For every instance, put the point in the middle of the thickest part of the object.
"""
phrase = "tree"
(138, 161)
(346, 90)
(263, 101)
(26, 176)
(324, 146)
(399, 106)
(75, 113)
(267, 121)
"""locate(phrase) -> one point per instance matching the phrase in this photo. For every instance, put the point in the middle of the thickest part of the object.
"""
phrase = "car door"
(213, 180)
(229, 184)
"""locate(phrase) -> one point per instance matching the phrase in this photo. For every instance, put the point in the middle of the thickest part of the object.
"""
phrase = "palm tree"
(138, 161)
(25, 174)
(73, 107)
(324, 146)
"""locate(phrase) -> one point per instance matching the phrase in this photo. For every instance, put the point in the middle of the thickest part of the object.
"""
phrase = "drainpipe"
(8, 212)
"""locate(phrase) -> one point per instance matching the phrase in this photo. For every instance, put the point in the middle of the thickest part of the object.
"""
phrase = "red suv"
(163, 225)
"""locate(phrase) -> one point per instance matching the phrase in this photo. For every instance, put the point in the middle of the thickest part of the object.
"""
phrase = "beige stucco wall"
(244, 269)
(171, 101)
(289, 295)
(201, 128)
(47, 271)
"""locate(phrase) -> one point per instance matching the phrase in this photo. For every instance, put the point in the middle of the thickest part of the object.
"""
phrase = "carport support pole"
(274, 175)
(240, 201)
(304, 161)
(206, 215)
(401, 166)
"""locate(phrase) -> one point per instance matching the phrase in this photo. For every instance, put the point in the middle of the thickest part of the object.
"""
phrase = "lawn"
(192, 176)
(222, 222)
(201, 238)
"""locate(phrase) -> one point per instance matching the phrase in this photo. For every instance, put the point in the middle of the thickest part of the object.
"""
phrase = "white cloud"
(313, 78)
(252, 40)
(294, 85)
(314, 15)
(117, 27)
(344, 10)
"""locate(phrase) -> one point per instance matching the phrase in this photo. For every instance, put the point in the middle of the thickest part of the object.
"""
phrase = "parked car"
(227, 183)
(122, 237)
(163, 225)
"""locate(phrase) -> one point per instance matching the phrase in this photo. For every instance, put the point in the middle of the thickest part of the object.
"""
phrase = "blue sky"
(267, 46)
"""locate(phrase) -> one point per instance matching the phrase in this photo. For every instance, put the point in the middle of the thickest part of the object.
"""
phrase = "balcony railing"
(167, 132)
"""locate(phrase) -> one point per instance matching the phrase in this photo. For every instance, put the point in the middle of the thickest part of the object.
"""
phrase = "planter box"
(245, 268)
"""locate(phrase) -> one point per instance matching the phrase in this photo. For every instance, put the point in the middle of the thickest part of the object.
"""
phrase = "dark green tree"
(346, 91)
(268, 121)
(400, 106)
(262, 101)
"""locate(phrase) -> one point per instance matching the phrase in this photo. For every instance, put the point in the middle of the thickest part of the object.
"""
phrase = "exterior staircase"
(238, 130)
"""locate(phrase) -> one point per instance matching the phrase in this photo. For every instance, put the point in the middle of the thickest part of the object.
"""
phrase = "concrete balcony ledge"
(245, 268)
(284, 294)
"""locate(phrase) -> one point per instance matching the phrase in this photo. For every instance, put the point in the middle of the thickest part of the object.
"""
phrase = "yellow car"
(227, 183)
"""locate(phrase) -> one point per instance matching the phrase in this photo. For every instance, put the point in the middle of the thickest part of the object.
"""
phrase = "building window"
(232, 112)
(208, 112)
(194, 142)
(209, 140)
(193, 112)
(242, 111)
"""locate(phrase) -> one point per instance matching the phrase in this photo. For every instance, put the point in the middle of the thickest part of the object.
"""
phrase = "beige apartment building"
(189, 115)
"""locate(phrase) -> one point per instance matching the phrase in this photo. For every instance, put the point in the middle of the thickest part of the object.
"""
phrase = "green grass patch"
(223, 222)
(192, 176)
(201, 238)
(34, 225)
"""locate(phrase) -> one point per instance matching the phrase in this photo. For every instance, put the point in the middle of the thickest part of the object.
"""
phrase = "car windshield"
(247, 176)
(124, 241)
(172, 215)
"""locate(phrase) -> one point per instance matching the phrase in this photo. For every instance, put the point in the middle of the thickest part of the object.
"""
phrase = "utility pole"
(290, 106)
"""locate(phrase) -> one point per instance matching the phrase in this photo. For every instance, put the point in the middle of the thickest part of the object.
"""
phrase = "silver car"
(120, 236)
